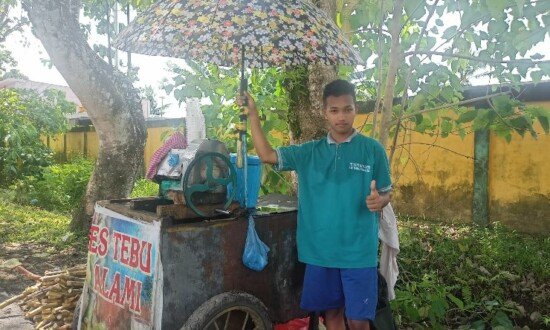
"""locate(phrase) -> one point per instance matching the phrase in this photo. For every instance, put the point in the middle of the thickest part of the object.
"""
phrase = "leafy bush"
(25, 116)
(473, 277)
(59, 188)
(144, 188)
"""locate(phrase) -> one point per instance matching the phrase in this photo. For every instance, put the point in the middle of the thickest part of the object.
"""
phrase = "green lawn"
(25, 224)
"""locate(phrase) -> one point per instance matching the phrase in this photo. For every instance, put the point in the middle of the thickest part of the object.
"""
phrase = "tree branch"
(475, 99)
(436, 146)
(379, 87)
(394, 63)
(405, 97)
(473, 58)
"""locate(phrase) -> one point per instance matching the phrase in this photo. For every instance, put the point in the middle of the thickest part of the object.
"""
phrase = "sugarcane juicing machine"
(205, 179)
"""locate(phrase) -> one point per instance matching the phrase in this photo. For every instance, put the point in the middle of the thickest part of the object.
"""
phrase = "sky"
(29, 53)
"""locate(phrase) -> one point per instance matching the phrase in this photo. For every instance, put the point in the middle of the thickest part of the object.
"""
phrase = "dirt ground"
(35, 258)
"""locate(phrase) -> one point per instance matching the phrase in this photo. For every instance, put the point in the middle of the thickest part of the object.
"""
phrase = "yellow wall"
(154, 141)
(75, 144)
(519, 180)
(438, 182)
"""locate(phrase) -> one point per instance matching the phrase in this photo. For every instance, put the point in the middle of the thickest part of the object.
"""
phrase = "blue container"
(254, 178)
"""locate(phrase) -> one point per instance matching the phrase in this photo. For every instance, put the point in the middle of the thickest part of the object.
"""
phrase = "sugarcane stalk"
(11, 300)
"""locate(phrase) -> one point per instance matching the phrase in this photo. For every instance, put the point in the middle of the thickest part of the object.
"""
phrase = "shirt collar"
(330, 140)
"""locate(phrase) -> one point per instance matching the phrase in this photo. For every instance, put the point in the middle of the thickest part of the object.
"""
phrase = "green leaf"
(497, 26)
(496, 7)
(467, 116)
(520, 4)
(415, 8)
(449, 32)
(536, 76)
(446, 128)
(418, 119)
(544, 123)
(502, 320)
(456, 301)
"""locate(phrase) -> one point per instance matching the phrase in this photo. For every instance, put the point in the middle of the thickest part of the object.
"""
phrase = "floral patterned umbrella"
(245, 33)
(266, 32)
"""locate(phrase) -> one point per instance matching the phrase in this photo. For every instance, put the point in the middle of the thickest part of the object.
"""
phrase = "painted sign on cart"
(123, 273)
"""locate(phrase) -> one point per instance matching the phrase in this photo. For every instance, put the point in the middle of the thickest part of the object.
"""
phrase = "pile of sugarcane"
(50, 303)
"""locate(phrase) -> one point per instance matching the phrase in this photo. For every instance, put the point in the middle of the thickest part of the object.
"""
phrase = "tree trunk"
(306, 117)
(109, 97)
(396, 55)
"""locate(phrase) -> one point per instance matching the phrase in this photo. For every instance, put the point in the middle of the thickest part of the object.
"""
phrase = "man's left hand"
(376, 201)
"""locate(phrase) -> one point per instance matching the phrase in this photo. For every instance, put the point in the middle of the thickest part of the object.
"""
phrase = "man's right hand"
(250, 107)
(263, 148)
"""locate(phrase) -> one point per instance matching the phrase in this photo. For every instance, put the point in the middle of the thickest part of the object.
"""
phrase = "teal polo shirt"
(335, 227)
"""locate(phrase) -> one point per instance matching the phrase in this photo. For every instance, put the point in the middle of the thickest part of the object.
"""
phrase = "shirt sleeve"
(381, 171)
(288, 158)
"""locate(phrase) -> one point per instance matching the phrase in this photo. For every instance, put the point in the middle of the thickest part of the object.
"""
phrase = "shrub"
(25, 116)
(453, 275)
(144, 188)
(60, 187)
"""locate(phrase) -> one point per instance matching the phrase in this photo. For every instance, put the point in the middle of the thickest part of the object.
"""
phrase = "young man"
(343, 182)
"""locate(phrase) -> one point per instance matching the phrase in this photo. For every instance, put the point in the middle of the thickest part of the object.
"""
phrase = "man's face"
(340, 113)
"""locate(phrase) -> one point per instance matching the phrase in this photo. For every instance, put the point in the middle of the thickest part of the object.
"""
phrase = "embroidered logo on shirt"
(359, 167)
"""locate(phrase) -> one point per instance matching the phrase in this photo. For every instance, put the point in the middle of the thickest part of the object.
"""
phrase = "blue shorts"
(356, 289)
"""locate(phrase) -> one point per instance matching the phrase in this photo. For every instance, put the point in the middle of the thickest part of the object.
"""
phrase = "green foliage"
(25, 224)
(25, 116)
(60, 187)
(453, 275)
(504, 117)
(444, 47)
(145, 188)
(220, 86)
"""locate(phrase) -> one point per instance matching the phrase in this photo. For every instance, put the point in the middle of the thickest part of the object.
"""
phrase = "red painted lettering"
(124, 257)
(117, 237)
(100, 277)
(145, 266)
(103, 242)
(132, 293)
(134, 253)
(115, 290)
(92, 236)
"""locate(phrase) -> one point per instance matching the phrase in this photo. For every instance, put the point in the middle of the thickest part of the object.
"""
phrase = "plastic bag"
(255, 251)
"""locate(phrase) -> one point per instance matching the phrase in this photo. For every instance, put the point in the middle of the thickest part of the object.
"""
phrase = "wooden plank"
(125, 210)
(180, 211)
(148, 204)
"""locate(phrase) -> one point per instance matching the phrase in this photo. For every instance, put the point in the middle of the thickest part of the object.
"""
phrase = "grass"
(26, 224)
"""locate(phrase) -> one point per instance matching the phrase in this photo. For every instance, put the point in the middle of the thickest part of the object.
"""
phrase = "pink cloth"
(176, 141)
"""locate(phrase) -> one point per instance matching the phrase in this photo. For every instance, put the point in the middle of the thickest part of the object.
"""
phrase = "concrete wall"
(437, 181)
(84, 141)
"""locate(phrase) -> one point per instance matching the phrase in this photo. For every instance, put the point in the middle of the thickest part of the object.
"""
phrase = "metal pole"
(242, 153)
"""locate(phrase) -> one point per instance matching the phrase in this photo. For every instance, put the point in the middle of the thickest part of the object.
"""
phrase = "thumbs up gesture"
(376, 202)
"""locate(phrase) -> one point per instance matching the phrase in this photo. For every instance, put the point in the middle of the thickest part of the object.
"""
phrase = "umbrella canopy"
(269, 32)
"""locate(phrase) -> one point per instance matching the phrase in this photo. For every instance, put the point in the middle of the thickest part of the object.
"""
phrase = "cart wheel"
(230, 310)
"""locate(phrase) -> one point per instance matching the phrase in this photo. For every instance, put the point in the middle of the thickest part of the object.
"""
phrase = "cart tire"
(230, 310)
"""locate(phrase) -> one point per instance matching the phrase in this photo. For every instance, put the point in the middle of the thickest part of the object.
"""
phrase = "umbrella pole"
(242, 152)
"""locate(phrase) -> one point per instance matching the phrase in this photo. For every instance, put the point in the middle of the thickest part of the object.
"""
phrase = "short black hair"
(338, 87)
